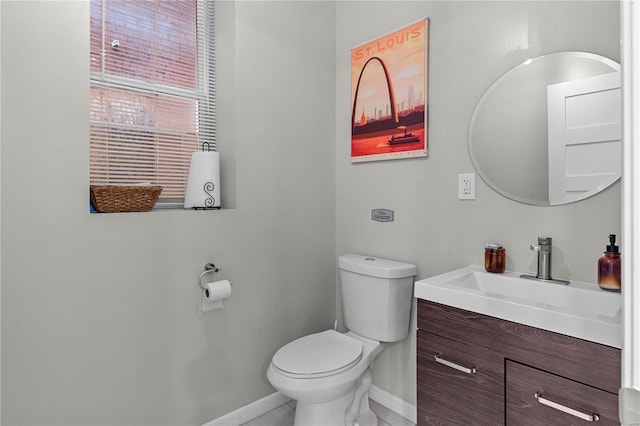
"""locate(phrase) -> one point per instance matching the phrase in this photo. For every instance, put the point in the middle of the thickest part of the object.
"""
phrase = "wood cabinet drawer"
(447, 396)
(591, 363)
(523, 383)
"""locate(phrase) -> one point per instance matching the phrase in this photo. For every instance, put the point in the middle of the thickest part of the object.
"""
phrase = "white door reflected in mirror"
(585, 139)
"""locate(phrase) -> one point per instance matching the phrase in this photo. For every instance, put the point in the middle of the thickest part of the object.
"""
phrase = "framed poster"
(389, 81)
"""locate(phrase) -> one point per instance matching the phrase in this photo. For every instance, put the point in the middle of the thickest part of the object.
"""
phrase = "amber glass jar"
(494, 258)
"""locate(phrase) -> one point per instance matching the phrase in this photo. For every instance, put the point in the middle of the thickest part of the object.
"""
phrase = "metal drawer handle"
(453, 365)
(579, 414)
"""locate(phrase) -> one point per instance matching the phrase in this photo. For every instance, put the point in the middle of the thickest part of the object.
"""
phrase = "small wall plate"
(382, 215)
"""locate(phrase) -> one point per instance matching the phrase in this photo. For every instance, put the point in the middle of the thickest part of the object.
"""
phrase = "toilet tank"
(376, 296)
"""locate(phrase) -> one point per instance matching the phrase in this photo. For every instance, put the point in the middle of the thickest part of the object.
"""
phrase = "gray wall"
(471, 45)
(100, 313)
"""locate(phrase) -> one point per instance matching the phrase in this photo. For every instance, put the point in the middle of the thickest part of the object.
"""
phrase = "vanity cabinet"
(475, 369)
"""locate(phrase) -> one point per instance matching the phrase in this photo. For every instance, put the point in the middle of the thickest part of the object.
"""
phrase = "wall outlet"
(467, 186)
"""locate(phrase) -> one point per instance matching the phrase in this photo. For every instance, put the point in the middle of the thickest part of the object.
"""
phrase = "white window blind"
(152, 91)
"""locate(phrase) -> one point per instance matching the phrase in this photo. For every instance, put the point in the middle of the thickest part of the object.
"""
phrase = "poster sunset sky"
(389, 95)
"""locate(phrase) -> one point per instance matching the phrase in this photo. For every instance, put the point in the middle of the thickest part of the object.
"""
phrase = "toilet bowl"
(329, 373)
(322, 372)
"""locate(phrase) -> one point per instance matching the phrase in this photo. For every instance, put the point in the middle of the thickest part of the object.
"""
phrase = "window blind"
(152, 91)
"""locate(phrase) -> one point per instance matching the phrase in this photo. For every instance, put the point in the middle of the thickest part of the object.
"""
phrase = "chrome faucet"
(544, 262)
(544, 257)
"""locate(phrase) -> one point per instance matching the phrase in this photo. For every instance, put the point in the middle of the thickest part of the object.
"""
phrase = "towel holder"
(209, 267)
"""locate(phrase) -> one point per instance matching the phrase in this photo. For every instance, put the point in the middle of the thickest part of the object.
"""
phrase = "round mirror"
(548, 132)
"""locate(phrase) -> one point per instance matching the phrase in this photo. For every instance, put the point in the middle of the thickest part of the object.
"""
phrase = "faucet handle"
(544, 244)
(544, 241)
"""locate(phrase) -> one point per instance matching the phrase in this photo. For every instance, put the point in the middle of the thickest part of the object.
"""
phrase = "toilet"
(329, 373)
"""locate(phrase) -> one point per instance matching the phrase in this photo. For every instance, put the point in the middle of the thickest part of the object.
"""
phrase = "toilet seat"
(318, 355)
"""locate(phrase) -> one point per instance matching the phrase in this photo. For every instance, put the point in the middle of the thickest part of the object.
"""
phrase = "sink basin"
(579, 309)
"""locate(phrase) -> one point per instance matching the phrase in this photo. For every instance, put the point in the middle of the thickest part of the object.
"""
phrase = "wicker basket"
(124, 198)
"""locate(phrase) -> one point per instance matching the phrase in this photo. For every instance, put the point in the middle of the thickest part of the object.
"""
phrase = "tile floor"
(283, 416)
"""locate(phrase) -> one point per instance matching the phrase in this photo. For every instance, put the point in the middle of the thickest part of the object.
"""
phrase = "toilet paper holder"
(209, 267)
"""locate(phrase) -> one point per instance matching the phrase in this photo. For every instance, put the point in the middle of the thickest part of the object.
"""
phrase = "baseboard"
(250, 411)
(393, 403)
(276, 399)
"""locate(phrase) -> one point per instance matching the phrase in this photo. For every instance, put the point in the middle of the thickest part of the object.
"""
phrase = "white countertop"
(579, 309)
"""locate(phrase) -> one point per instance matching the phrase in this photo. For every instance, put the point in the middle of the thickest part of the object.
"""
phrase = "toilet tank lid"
(375, 266)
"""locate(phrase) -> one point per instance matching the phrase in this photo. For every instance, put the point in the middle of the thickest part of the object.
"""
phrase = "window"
(152, 91)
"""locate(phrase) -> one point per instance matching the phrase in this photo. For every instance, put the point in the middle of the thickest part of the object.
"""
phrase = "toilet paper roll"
(203, 183)
(217, 291)
(214, 295)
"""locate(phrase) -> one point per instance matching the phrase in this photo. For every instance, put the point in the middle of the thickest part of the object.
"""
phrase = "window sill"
(164, 207)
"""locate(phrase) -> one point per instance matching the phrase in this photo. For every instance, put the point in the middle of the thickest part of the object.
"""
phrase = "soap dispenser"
(609, 267)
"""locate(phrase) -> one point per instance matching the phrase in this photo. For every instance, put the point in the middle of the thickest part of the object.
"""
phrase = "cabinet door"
(464, 385)
(535, 397)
